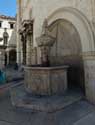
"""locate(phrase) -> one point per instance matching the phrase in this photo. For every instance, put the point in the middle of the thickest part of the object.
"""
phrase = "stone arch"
(80, 21)
(67, 50)
(83, 28)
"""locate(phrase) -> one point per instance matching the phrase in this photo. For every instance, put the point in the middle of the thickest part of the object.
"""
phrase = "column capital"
(28, 25)
(26, 28)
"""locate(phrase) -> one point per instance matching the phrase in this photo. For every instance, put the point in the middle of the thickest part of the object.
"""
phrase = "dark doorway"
(12, 57)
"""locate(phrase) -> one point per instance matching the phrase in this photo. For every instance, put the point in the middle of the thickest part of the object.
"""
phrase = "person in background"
(2, 77)
(16, 66)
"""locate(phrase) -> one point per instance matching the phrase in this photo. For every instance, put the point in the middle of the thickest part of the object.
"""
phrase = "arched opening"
(12, 57)
(67, 51)
(83, 31)
(80, 22)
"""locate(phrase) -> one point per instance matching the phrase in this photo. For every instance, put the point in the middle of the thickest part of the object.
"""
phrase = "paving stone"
(78, 113)
(15, 117)
(43, 118)
(73, 113)
(5, 123)
(88, 120)
(68, 116)
(5, 104)
(7, 113)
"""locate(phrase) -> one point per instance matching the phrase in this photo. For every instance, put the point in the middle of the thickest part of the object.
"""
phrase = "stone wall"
(89, 66)
(39, 10)
(42, 9)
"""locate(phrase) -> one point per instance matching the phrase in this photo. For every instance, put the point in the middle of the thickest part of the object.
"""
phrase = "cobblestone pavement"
(79, 113)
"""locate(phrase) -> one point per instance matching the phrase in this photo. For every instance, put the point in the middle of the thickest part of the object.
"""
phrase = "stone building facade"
(7, 40)
(72, 23)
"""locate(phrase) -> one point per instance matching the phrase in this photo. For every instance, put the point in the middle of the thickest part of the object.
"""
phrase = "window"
(11, 25)
(0, 24)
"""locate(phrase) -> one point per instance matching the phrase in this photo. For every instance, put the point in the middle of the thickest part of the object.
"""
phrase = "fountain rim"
(46, 68)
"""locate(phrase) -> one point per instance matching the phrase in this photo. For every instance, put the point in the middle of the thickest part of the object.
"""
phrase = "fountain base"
(25, 102)
(46, 80)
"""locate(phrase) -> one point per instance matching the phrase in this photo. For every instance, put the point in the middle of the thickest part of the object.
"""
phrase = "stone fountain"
(45, 86)
(46, 79)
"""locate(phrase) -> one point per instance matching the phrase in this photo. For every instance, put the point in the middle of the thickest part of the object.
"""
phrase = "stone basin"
(46, 80)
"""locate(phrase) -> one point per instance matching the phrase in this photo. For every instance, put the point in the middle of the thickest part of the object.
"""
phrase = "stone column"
(34, 55)
(23, 47)
(7, 57)
(89, 68)
(21, 53)
(3, 58)
(24, 51)
(18, 26)
(29, 49)
(26, 32)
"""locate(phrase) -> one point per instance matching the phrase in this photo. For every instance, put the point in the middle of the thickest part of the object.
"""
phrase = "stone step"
(23, 101)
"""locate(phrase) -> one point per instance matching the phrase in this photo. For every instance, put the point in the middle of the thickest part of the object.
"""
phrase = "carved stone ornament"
(26, 28)
(28, 25)
(45, 39)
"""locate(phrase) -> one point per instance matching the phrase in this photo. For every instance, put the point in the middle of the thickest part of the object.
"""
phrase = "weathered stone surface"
(46, 80)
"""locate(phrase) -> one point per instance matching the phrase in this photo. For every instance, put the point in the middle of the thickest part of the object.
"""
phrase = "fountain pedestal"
(46, 80)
